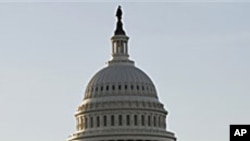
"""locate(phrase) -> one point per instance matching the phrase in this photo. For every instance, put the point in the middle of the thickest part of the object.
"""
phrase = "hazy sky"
(197, 54)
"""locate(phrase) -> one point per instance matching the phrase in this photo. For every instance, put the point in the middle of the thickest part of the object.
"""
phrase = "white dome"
(120, 73)
(120, 79)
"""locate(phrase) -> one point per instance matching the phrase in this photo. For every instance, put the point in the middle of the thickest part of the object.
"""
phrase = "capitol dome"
(120, 101)
(120, 79)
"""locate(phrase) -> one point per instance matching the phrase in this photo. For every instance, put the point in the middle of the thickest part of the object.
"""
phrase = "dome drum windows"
(154, 121)
(159, 121)
(112, 120)
(149, 120)
(132, 87)
(86, 122)
(163, 117)
(139, 119)
(128, 120)
(135, 120)
(120, 88)
(78, 123)
(142, 120)
(91, 122)
(97, 121)
(120, 120)
(125, 86)
(82, 123)
(104, 121)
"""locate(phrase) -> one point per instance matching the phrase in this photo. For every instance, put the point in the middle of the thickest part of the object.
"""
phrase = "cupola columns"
(120, 47)
(119, 41)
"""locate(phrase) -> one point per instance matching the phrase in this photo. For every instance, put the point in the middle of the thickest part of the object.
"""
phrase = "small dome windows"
(126, 87)
(122, 88)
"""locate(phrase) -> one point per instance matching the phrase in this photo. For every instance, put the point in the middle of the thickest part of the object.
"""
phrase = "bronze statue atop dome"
(119, 13)
(119, 30)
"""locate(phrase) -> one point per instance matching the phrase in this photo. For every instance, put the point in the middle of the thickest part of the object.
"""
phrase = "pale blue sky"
(197, 54)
